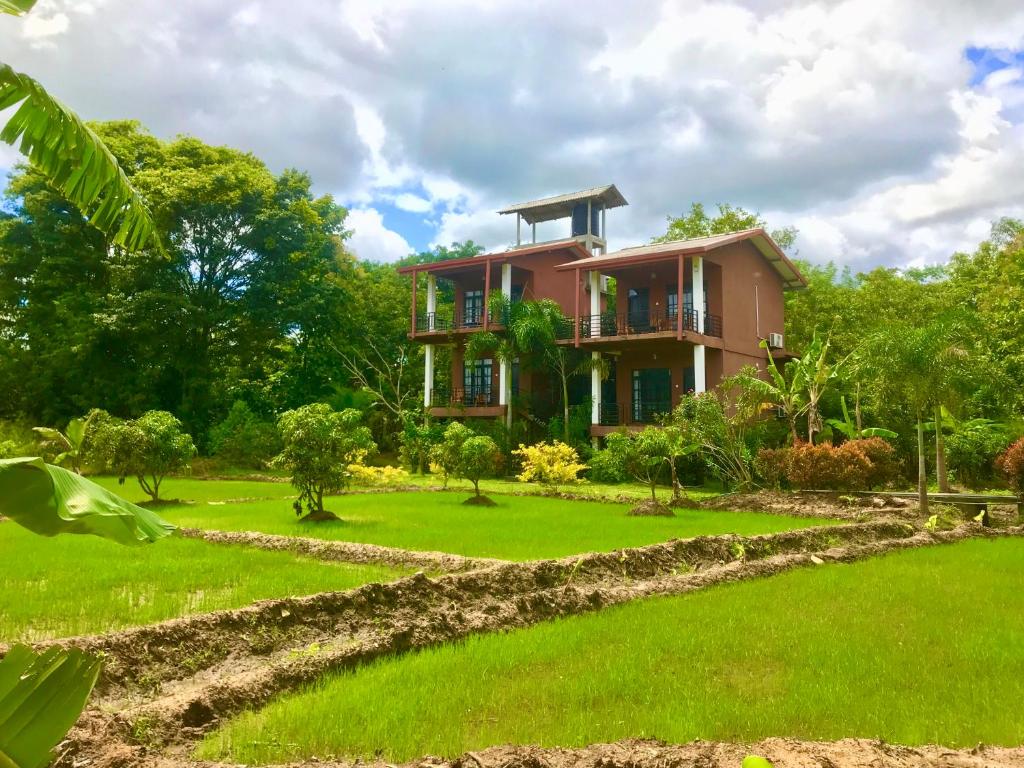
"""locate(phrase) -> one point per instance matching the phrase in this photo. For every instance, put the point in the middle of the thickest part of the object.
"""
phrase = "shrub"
(772, 466)
(971, 452)
(16, 440)
(318, 445)
(243, 439)
(606, 466)
(549, 464)
(148, 448)
(825, 467)
(479, 457)
(881, 455)
(1011, 464)
(383, 477)
(445, 455)
(644, 455)
(417, 440)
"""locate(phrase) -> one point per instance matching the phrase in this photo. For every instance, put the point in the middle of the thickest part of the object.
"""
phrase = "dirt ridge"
(344, 551)
(339, 630)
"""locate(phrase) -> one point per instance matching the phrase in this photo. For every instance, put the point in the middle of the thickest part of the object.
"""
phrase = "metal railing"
(463, 398)
(609, 415)
(640, 323)
(648, 411)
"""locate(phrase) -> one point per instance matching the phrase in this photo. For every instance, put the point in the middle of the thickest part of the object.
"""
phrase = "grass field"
(519, 528)
(69, 585)
(924, 646)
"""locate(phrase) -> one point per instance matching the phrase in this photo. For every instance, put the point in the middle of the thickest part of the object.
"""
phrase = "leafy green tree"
(319, 443)
(147, 448)
(720, 424)
(479, 457)
(243, 439)
(446, 454)
(71, 443)
(784, 389)
(697, 223)
(644, 455)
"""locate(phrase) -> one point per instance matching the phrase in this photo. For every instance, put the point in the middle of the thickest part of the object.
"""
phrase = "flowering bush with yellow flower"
(550, 464)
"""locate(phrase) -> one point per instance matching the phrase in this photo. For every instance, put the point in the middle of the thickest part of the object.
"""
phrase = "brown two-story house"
(668, 318)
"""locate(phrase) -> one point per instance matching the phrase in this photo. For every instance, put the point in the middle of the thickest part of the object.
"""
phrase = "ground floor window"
(689, 380)
(652, 394)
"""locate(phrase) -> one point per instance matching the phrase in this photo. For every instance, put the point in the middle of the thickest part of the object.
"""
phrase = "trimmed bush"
(772, 466)
(825, 467)
(148, 448)
(382, 477)
(479, 457)
(607, 466)
(881, 455)
(1011, 464)
(550, 464)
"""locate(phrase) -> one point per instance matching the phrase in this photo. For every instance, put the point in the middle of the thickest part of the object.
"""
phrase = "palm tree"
(922, 365)
(70, 155)
(785, 389)
(532, 331)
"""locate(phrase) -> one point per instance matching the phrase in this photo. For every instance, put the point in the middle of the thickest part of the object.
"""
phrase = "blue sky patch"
(988, 60)
(414, 227)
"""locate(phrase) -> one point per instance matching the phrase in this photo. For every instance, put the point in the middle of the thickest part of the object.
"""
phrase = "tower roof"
(560, 206)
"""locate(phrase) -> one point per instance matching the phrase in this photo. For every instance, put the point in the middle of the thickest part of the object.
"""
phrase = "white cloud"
(854, 119)
(372, 240)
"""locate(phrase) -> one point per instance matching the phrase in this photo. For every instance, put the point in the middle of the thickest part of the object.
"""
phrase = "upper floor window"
(473, 307)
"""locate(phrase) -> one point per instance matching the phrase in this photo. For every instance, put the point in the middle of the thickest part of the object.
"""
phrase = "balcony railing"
(463, 398)
(610, 415)
(591, 326)
(639, 323)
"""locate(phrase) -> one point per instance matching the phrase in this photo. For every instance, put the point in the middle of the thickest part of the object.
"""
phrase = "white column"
(431, 302)
(428, 373)
(504, 374)
(700, 381)
(595, 391)
(595, 303)
(698, 292)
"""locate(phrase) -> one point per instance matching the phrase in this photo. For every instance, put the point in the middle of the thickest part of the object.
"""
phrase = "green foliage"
(856, 465)
(644, 455)
(550, 464)
(16, 440)
(719, 423)
(445, 455)
(74, 160)
(607, 466)
(318, 444)
(49, 500)
(71, 444)
(479, 457)
(147, 448)
(243, 439)
(16, 7)
(41, 697)
(417, 440)
(697, 223)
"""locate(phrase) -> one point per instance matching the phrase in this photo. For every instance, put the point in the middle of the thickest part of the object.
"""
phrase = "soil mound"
(651, 508)
(319, 517)
(814, 504)
(480, 501)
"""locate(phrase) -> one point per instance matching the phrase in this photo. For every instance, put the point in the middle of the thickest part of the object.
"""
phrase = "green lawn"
(187, 489)
(519, 528)
(924, 646)
(75, 584)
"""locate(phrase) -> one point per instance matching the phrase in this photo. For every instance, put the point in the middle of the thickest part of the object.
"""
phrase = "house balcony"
(611, 326)
(445, 323)
(632, 417)
(458, 403)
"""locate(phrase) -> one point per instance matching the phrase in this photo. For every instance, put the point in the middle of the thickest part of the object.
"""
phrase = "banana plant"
(42, 695)
(70, 442)
(848, 427)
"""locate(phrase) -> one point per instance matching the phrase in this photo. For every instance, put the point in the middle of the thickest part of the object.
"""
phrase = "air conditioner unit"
(775, 341)
(604, 283)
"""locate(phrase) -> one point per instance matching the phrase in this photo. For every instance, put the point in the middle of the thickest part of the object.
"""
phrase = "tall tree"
(697, 223)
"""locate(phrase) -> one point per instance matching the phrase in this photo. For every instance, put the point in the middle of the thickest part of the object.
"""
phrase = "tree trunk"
(320, 501)
(856, 411)
(810, 424)
(156, 488)
(565, 408)
(792, 429)
(940, 452)
(654, 495)
(676, 495)
(476, 487)
(922, 471)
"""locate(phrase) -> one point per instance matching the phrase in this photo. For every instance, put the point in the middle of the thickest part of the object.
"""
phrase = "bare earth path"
(165, 685)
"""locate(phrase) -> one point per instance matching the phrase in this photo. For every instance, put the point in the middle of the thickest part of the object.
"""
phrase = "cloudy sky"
(886, 132)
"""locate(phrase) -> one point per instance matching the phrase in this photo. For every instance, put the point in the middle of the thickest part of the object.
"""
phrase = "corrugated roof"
(571, 245)
(787, 270)
(560, 206)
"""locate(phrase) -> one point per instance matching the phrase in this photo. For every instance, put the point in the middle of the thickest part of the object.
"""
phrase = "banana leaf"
(41, 697)
(49, 500)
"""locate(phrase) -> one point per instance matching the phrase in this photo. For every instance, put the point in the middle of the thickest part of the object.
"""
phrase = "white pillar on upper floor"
(698, 291)
(431, 302)
(700, 379)
(595, 303)
(504, 372)
(428, 374)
